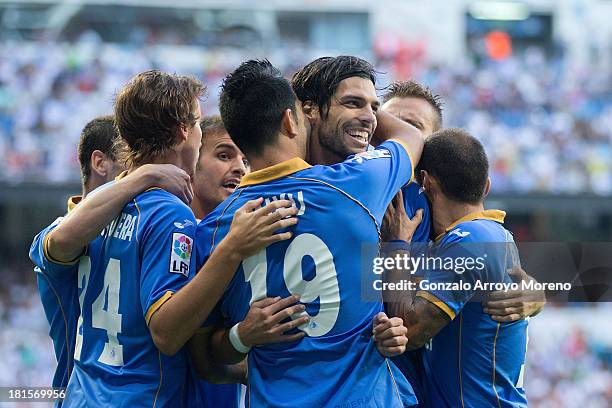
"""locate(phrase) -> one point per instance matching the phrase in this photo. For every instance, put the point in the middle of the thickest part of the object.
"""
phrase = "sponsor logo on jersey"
(369, 155)
(180, 256)
(459, 233)
(182, 225)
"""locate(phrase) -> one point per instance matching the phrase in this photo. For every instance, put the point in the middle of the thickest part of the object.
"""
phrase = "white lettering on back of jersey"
(122, 227)
(298, 201)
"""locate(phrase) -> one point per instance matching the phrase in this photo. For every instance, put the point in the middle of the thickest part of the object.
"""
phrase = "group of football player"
(206, 253)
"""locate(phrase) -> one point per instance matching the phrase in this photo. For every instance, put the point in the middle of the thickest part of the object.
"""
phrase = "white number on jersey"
(323, 286)
(109, 319)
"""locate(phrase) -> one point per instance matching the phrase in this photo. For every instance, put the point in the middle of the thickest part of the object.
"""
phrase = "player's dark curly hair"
(150, 108)
(318, 80)
(459, 162)
(252, 102)
(412, 89)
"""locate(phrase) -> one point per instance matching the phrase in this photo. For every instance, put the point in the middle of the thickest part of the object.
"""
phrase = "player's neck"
(320, 155)
(276, 154)
(200, 208)
(445, 212)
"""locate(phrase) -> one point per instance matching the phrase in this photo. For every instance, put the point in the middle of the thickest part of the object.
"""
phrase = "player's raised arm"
(86, 221)
(390, 127)
(253, 228)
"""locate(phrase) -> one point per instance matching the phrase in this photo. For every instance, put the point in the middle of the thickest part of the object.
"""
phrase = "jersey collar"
(492, 215)
(274, 172)
(73, 201)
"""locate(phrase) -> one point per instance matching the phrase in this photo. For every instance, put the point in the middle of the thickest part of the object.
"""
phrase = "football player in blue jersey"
(57, 282)
(417, 105)
(340, 208)
(137, 307)
(220, 167)
(470, 359)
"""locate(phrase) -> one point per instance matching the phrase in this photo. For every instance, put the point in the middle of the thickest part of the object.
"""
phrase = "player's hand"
(514, 305)
(396, 223)
(170, 178)
(254, 227)
(389, 335)
(262, 324)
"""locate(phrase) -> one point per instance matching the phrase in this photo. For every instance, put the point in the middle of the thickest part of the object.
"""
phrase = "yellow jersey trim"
(459, 361)
(440, 304)
(56, 261)
(73, 201)
(155, 306)
(492, 215)
(274, 172)
(161, 378)
(494, 352)
(412, 163)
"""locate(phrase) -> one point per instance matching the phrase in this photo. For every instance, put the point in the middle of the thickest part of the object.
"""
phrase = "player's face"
(416, 111)
(220, 167)
(194, 142)
(351, 119)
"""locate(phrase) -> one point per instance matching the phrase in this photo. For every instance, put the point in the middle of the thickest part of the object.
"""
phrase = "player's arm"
(423, 317)
(390, 127)
(214, 354)
(206, 369)
(265, 323)
(253, 227)
(515, 305)
(67, 242)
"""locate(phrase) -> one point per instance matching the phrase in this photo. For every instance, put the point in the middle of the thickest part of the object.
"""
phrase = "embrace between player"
(335, 122)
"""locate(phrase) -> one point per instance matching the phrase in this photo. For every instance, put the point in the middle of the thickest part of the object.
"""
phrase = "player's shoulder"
(161, 209)
(477, 231)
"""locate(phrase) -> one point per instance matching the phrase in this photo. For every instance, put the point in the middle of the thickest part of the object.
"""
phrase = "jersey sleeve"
(167, 255)
(374, 177)
(46, 265)
(204, 240)
(450, 274)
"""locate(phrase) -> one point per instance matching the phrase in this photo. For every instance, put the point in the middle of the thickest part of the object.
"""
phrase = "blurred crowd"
(565, 366)
(544, 121)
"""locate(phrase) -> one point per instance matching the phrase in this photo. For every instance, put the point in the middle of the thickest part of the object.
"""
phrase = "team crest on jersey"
(369, 155)
(180, 256)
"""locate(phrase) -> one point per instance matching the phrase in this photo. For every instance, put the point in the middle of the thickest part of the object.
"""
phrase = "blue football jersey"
(202, 394)
(415, 198)
(411, 362)
(340, 210)
(473, 361)
(57, 286)
(137, 263)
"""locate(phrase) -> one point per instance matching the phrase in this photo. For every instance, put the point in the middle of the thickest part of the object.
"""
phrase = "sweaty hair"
(318, 80)
(149, 110)
(459, 163)
(253, 100)
(99, 134)
(411, 89)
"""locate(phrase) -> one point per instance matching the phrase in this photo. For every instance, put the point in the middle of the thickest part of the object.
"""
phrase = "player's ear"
(487, 187)
(289, 125)
(97, 162)
(182, 131)
(311, 110)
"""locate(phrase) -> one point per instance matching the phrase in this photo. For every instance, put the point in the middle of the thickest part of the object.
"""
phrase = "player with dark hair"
(486, 369)
(57, 281)
(220, 167)
(340, 208)
(338, 97)
(137, 306)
